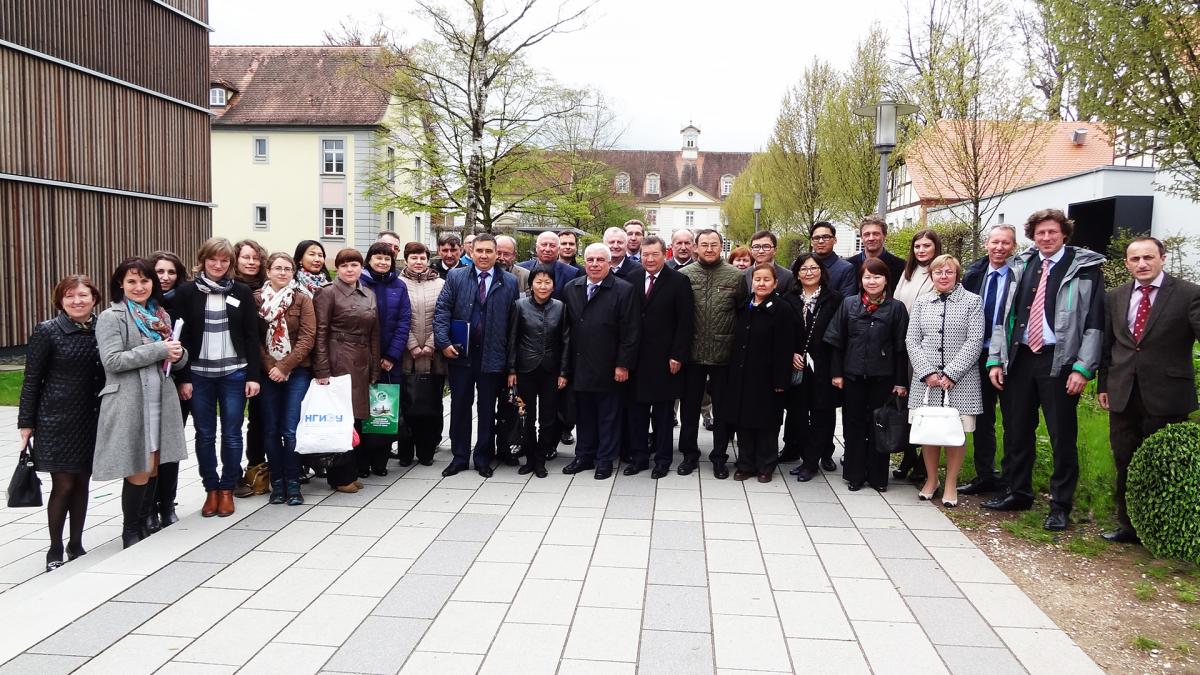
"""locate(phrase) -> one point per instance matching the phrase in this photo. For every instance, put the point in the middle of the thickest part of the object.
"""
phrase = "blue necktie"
(989, 305)
(591, 290)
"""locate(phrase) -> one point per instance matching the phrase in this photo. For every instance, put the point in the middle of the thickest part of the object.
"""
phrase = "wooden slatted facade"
(104, 160)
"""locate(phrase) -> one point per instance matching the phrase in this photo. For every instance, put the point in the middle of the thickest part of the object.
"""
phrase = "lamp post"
(757, 209)
(885, 113)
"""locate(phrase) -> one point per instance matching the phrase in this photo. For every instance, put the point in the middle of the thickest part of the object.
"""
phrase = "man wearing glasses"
(762, 247)
(823, 237)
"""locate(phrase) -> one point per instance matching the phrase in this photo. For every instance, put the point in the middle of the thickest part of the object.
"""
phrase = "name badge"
(232, 301)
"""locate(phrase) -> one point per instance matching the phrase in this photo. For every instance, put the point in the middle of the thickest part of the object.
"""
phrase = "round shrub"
(1163, 492)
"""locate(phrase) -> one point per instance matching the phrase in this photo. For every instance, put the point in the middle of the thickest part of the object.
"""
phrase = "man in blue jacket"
(480, 297)
(546, 250)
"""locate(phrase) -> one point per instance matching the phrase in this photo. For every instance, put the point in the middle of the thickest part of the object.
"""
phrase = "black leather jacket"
(869, 345)
(538, 336)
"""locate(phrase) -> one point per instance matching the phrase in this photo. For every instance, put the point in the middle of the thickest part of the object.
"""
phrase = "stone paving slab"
(420, 574)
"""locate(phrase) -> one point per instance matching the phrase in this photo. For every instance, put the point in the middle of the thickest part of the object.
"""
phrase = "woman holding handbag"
(140, 423)
(59, 408)
(289, 330)
(945, 335)
(395, 314)
(914, 284)
(811, 400)
(422, 366)
(869, 363)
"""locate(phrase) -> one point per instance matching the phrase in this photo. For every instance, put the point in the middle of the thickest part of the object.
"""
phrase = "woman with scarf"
(395, 312)
(140, 424)
(421, 365)
(289, 329)
(311, 273)
(172, 273)
(248, 268)
(220, 332)
(812, 400)
(869, 363)
(915, 284)
(63, 376)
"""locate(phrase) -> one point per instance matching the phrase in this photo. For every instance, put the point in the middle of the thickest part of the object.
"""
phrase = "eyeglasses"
(821, 237)
(810, 270)
(762, 247)
(281, 269)
(944, 272)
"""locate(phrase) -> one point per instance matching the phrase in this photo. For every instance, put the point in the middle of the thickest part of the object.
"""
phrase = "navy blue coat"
(394, 311)
(457, 301)
(562, 274)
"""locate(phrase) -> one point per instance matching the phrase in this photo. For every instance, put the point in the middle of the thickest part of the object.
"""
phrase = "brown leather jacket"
(348, 338)
(301, 318)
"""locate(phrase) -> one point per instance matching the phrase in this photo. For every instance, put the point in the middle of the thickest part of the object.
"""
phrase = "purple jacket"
(395, 313)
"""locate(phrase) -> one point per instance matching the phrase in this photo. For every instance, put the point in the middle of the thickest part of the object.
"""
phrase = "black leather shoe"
(425, 462)
(788, 456)
(540, 473)
(551, 455)
(453, 469)
(1121, 536)
(827, 464)
(379, 472)
(633, 469)
(708, 425)
(1008, 502)
(854, 487)
(567, 438)
(659, 472)
(485, 471)
(720, 471)
(804, 475)
(603, 473)
(524, 470)
(576, 466)
(1057, 521)
(687, 467)
(978, 486)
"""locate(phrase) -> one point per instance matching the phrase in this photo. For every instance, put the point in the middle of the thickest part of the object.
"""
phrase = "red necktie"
(650, 286)
(1037, 311)
(1143, 311)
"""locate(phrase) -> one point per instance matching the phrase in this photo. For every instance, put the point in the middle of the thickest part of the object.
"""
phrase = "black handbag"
(891, 427)
(421, 395)
(510, 424)
(25, 488)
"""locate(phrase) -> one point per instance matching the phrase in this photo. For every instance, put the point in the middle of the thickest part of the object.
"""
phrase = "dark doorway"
(1096, 221)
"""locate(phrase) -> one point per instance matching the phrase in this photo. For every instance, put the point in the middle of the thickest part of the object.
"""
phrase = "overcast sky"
(661, 63)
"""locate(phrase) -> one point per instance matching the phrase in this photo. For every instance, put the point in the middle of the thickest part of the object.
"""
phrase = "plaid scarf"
(274, 306)
(206, 285)
(311, 283)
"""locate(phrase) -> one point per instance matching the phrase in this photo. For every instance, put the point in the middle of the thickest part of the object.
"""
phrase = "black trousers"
(659, 416)
(465, 381)
(566, 408)
(758, 449)
(808, 429)
(256, 450)
(1028, 387)
(598, 418)
(697, 379)
(419, 438)
(1126, 432)
(985, 426)
(539, 390)
(862, 397)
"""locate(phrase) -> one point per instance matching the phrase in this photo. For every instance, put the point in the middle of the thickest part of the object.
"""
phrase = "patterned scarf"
(872, 304)
(428, 275)
(274, 306)
(206, 285)
(310, 283)
(151, 320)
(810, 304)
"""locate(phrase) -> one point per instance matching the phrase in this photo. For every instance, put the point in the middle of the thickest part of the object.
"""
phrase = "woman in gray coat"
(140, 421)
(945, 334)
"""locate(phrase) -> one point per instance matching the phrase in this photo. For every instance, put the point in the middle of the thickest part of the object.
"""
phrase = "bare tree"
(1046, 66)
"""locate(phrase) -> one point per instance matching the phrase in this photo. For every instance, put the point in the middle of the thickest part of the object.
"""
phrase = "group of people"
(639, 337)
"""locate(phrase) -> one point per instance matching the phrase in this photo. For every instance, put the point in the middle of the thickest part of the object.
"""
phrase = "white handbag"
(936, 425)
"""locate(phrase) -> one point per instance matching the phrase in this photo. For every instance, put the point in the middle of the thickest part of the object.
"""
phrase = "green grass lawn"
(10, 386)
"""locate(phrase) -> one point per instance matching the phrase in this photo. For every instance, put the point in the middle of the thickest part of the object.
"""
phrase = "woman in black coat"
(811, 404)
(172, 274)
(758, 375)
(59, 407)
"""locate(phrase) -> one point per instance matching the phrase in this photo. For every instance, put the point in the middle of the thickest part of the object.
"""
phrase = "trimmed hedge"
(1163, 493)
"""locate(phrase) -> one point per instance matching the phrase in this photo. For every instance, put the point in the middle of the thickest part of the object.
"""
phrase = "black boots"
(149, 516)
(168, 484)
(277, 491)
(133, 497)
(294, 498)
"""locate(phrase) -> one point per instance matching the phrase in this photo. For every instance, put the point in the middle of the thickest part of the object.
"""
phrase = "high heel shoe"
(74, 551)
(928, 497)
(54, 560)
(948, 503)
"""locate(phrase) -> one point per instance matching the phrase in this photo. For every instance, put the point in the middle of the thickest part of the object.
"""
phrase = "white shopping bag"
(326, 418)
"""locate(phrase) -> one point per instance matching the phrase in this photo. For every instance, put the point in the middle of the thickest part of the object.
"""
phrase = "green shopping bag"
(384, 414)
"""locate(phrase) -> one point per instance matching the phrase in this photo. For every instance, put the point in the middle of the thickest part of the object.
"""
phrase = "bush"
(1164, 492)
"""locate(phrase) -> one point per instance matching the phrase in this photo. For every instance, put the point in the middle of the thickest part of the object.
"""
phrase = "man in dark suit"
(546, 250)
(616, 240)
(1042, 358)
(683, 244)
(449, 254)
(635, 231)
(668, 318)
(872, 232)
(603, 311)
(1146, 377)
(822, 237)
(988, 278)
(762, 247)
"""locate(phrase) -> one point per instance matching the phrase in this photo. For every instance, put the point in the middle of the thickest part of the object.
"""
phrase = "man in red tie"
(1146, 377)
(1041, 358)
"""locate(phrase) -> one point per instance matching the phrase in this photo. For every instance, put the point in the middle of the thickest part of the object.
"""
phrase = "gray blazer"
(129, 366)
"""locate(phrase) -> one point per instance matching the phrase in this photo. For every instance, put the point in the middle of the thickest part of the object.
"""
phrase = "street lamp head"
(885, 114)
(757, 201)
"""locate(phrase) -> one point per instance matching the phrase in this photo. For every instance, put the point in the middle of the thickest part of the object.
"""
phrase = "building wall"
(104, 143)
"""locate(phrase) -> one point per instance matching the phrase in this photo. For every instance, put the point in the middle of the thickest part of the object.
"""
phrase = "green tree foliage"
(1164, 492)
(1180, 252)
(955, 235)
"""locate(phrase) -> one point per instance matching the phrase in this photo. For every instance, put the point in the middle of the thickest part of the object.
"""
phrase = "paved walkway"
(420, 574)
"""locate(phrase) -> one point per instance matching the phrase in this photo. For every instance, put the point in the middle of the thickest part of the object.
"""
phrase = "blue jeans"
(229, 393)
(280, 415)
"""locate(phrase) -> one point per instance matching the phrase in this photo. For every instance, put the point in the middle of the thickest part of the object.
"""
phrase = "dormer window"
(651, 183)
(216, 96)
(622, 182)
(726, 185)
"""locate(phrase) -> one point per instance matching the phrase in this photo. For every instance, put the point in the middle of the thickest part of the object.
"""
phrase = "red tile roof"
(296, 86)
(674, 172)
(1059, 156)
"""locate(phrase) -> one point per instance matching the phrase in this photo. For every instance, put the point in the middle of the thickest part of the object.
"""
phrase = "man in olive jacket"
(718, 289)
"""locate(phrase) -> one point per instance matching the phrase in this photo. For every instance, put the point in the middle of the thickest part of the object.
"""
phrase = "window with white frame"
(391, 165)
(216, 96)
(726, 185)
(333, 222)
(689, 219)
(622, 182)
(391, 220)
(651, 217)
(651, 183)
(261, 217)
(260, 148)
(333, 151)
